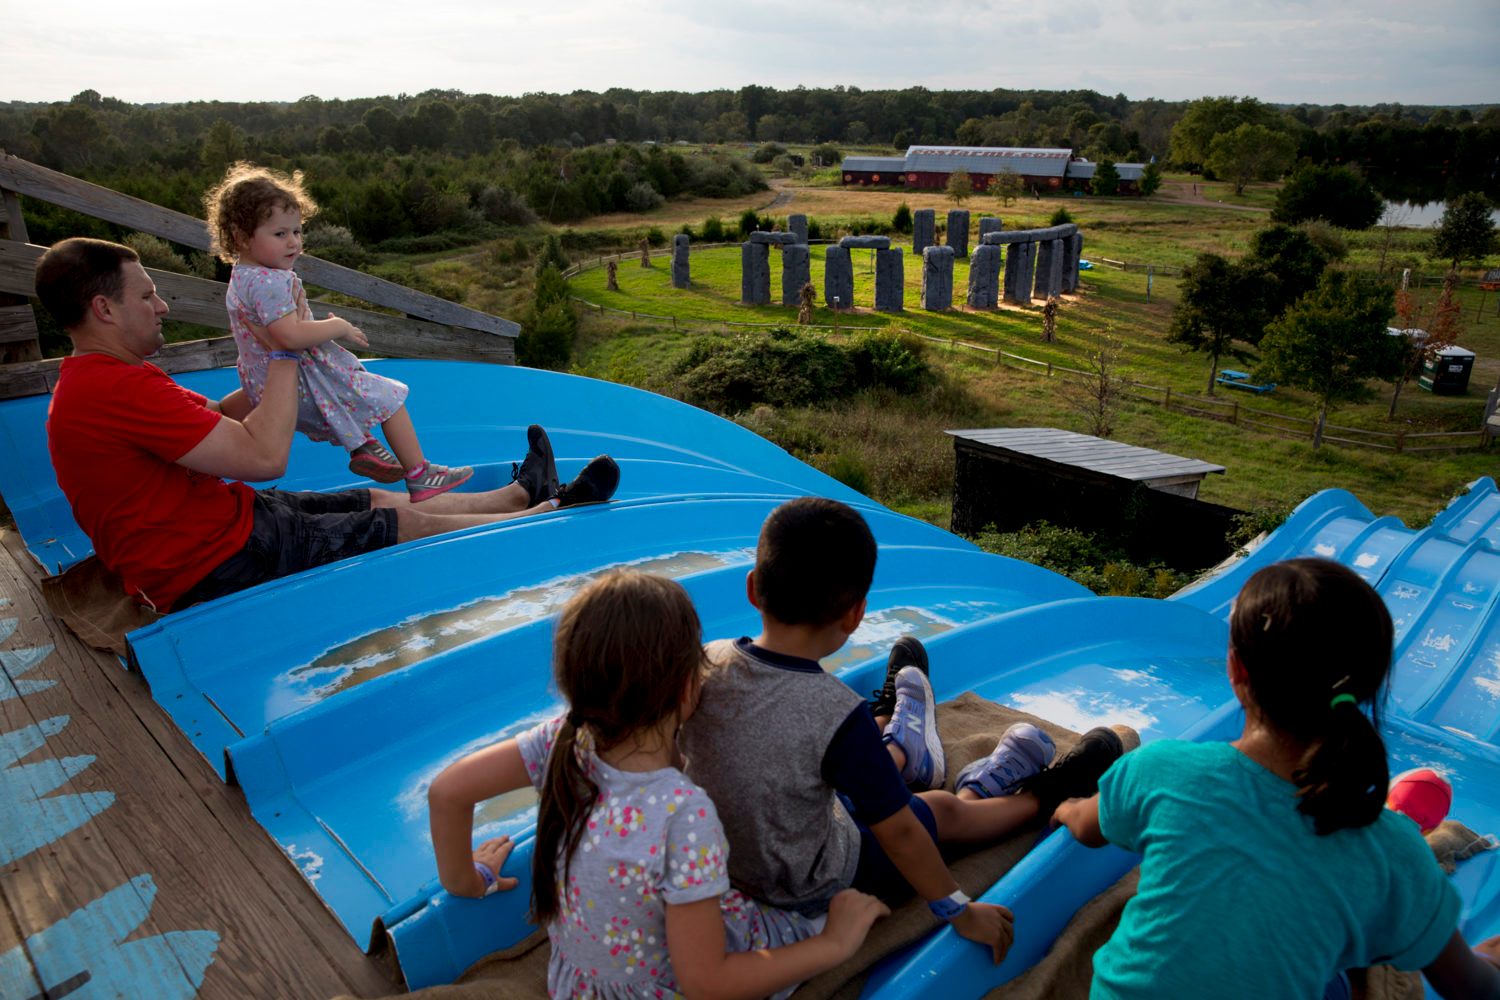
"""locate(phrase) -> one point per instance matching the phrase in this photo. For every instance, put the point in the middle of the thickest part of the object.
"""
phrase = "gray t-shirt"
(757, 742)
(653, 839)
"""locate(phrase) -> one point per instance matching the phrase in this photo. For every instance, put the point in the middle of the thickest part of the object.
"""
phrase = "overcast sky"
(1315, 51)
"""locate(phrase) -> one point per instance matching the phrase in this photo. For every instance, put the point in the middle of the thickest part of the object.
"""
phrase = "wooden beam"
(198, 300)
(17, 324)
(57, 188)
(19, 338)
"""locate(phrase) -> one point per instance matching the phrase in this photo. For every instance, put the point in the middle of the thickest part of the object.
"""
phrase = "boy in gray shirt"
(811, 780)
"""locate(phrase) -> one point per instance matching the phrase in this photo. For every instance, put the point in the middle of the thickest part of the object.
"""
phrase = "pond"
(1415, 215)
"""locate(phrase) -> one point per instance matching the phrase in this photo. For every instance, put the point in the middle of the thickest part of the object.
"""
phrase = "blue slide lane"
(334, 697)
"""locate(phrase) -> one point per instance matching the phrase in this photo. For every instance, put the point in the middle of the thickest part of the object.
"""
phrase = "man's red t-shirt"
(116, 431)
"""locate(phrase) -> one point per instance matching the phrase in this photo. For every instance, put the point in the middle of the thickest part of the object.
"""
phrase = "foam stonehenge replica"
(1039, 263)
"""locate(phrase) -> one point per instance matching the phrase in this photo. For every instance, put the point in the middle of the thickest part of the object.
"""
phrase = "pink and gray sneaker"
(433, 480)
(374, 460)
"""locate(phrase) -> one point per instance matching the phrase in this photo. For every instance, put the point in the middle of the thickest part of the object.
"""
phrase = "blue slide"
(332, 698)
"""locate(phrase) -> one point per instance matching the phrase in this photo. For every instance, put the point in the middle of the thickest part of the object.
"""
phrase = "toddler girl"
(1270, 863)
(629, 875)
(255, 217)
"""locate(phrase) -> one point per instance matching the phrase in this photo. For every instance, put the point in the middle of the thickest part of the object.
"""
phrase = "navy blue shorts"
(876, 874)
(292, 532)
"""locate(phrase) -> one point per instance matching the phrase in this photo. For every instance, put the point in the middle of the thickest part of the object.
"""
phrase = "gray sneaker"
(1023, 750)
(435, 480)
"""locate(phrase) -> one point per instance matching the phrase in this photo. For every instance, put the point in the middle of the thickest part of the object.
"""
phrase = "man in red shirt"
(143, 461)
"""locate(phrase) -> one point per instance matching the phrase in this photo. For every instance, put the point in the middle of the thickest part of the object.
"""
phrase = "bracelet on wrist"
(286, 355)
(950, 906)
(489, 876)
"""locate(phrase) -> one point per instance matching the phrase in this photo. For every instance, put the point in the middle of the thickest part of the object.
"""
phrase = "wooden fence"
(428, 327)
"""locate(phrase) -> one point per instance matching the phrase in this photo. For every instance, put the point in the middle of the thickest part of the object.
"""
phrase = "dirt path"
(1184, 193)
(783, 195)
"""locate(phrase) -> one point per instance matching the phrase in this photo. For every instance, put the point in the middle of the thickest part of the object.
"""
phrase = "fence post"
(1234, 417)
(1400, 441)
(1049, 369)
(1166, 403)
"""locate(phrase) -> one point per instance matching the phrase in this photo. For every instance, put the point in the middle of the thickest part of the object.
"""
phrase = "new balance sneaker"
(374, 460)
(595, 484)
(435, 480)
(1023, 750)
(1076, 775)
(537, 472)
(913, 728)
(907, 652)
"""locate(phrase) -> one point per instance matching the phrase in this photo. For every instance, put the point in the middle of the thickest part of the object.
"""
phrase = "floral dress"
(337, 400)
(652, 839)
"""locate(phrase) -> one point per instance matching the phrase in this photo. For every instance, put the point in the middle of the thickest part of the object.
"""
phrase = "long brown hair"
(1308, 632)
(627, 648)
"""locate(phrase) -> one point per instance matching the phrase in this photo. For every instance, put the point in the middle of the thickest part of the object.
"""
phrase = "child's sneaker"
(1422, 795)
(1076, 776)
(537, 473)
(913, 728)
(907, 652)
(433, 480)
(373, 460)
(1023, 750)
(595, 484)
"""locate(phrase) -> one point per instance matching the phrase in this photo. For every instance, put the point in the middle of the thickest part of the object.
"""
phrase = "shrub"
(547, 340)
(505, 207)
(901, 221)
(814, 229)
(1336, 193)
(551, 288)
(767, 151)
(713, 230)
(1326, 237)
(826, 154)
(1080, 556)
(731, 374)
(656, 237)
(1061, 217)
(642, 197)
(889, 360)
(749, 222)
(156, 252)
(552, 254)
(784, 165)
(850, 471)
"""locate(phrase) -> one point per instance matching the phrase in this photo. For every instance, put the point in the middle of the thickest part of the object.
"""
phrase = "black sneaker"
(1076, 775)
(907, 652)
(537, 472)
(595, 484)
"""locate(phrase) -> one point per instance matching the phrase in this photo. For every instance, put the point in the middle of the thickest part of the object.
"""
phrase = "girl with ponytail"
(629, 874)
(1269, 864)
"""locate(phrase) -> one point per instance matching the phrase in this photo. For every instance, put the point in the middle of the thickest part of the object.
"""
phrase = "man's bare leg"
(510, 499)
(413, 523)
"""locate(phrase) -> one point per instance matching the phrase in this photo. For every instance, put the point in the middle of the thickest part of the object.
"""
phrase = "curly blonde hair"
(244, 199)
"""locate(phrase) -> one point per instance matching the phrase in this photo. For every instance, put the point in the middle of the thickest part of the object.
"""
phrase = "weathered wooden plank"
(15, 222)
(213, 868)
(91, 199)
(17, 323)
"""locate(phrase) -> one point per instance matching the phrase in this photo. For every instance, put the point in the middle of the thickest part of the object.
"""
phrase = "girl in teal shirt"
(1270, 864)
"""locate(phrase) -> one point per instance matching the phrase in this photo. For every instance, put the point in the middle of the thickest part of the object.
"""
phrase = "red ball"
(1423, 795)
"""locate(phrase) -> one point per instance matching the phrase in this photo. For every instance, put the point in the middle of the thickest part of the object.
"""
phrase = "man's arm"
(257, 447)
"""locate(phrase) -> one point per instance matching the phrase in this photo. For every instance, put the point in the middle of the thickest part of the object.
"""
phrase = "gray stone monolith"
(890, 281)
(865, 242)
(680, 277)
(797, 226)
(838, 278)
(958, 231)
(781, 239)
(1057, 267)
(923, 230)
(796, 271)
(989, 224)
(1043, 270)
(1074, 244)
(937, 278)
(984, 277)
(1018, 273)
(755, 274)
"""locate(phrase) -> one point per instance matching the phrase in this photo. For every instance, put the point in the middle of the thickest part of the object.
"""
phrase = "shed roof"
(1081, 451)
(988, 160)
(1084, 170)
(890, 164)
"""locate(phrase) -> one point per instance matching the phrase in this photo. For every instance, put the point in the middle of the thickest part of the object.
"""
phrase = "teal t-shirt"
(1240, 898)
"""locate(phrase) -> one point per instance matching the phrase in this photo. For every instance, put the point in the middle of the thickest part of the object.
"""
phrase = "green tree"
(1290, 263)
(1337, 194)
(1332, 342)
(1250, 153)
(549, 328)
(223, 144)
(1211, 314)
(1007, 186)
(1150, 179)
(1210, 116)
(1106, 178)
(960, 186)
(901, 221)
(1466, 231)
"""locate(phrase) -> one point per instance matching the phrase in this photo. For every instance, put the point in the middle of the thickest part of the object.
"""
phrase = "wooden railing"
(430, 328)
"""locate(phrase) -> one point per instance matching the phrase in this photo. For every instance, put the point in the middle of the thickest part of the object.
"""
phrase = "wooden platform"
(125, 864)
